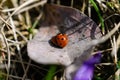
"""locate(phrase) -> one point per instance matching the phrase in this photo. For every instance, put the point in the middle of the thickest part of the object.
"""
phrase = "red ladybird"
(60, 40)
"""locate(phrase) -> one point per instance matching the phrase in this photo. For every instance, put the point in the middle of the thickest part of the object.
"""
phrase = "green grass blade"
(99, 15)
(51, 72)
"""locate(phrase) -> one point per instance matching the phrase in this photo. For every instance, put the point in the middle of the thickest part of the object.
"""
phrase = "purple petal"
(94, 59)
(85, 72)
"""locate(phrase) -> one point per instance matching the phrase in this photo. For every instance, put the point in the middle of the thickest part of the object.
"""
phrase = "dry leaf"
(79, 28)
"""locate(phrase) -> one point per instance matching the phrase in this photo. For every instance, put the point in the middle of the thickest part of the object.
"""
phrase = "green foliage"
(51, 72)
(97, 78)
(118, 65)
(2, 77)
(99, 15)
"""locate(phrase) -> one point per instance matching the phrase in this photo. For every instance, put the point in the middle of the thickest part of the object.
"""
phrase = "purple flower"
(85, 72)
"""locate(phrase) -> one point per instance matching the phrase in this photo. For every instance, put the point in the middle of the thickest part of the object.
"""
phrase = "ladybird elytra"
(60, 40)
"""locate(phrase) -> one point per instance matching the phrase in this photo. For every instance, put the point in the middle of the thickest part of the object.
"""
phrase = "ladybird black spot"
(62, 38)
